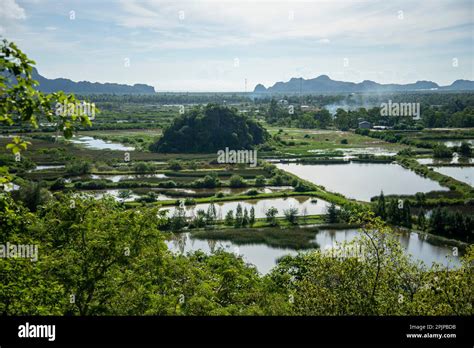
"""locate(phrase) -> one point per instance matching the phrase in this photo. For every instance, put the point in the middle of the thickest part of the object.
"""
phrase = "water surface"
(120, 177)
(363, 180)
(305, 206)
(464, 174)
(99, 144)
(265, 257)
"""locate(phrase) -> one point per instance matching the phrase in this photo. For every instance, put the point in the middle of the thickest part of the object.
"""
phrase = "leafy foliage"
(210, 129)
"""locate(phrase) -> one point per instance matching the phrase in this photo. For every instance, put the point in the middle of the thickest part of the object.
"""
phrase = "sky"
(228, 45)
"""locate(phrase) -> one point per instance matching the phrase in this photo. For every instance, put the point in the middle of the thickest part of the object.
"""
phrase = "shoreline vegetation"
(110, 252)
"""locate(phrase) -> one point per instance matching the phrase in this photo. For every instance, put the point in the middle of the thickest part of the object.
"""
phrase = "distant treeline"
(441, 221)
(446, 110)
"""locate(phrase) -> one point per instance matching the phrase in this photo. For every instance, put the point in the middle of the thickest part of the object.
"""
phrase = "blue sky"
(217, 45)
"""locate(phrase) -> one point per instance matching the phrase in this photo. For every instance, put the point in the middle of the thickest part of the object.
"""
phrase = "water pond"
(265, 257)
(362, 181)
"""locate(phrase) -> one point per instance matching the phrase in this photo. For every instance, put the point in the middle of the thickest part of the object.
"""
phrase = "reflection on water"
(363, 180)
(378, 151)
(453, 160)
(98, 194)
(464, 174)
(117, 178)
(46, 167)
(233, 190)
(412, 242)
(265, 257)
(260, 255)
(99, 144)
(452, 143)
(305, 206)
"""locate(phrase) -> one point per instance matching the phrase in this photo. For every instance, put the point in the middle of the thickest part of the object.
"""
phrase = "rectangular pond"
(123, 177)
(305, 206)
(464, 174)
(452, 143)
(362, 181)
(265, 257)
(99, 144)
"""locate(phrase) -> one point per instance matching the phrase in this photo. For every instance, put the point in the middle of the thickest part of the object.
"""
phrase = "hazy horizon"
(211, 46)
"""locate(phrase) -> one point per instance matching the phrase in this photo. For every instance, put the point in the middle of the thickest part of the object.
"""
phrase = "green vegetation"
(454, 185)
(294, 238)
(110, 256)
(210, 129)
(395, 211)
(114, 262)
(450, 224)
(449, 110)
(442, 151)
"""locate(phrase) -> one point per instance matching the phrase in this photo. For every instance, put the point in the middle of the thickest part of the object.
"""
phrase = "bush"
(442, 151)
(209, 181)
(465, 149)
(237, 181)
(58, 184)
(260, 181)
(189, 201)
(302, 187)
(168, 184)
(143, 167)
(78, 168)
(175, 165)
(252, 192)
(271, 216)
(291, 215)
(332, 215)
(279, 180)
(150, 197)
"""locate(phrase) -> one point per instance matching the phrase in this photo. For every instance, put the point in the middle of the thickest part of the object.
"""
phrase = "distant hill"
(324, 84)
(210, 129)
(459, 85)
(85, 87)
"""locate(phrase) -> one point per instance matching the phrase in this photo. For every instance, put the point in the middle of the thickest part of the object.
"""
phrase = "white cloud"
(197, 51)
(9, 9)
(231, 23)
(324, 41)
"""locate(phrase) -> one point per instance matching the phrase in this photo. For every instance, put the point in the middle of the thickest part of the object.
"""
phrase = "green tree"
(239, 216)
(208, 129)
(421, 220)
(380, 209)
(252, 216)
(442, 151)
(237, 181)
(465, 149)
(260, 181)
(229, 218)
(211, 214)
(274, 112)
(245, 218)
(21, 103)
(332, 215)
(271, 216)
(291, 215)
